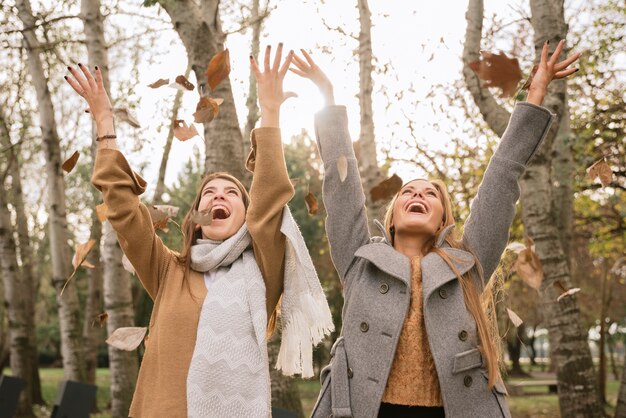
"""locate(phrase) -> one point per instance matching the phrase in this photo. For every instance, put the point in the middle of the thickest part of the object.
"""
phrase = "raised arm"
(271, 188)
(121, 187)
(346, 221)
(486, 231)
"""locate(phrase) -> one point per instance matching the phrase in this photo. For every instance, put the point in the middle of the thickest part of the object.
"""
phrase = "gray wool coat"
(376, 278)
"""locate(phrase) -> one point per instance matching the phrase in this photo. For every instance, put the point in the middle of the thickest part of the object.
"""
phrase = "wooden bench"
(517, 388)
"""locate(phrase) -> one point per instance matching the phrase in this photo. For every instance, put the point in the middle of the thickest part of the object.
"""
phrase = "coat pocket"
(467, 360)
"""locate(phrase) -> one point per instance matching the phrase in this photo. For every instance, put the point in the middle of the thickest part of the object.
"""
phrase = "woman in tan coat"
(215, 301)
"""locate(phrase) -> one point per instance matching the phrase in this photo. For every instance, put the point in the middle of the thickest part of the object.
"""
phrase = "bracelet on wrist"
(100, 138)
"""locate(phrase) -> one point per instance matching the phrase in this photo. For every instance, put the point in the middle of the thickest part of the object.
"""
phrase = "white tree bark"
(69, 310)
(577, 384)
(18, 295)
(117, 285)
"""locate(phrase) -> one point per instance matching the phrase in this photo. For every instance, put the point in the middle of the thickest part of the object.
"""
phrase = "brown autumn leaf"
(101, 212)
(70, 163)
(127, 117)
(601, 170)
(160, 217)
(498, 70)
(182, 131)
(82, 250)
(127, 264)
(311, 203)
(342, 168)
(529, 80)
(127, 338)
(517, 321)
(528, 266)
(182, 80)
(567, 293)
(160, 82)
(386, 189)
(202, 217)
(100, 319)
(207, 109)
(218, 68)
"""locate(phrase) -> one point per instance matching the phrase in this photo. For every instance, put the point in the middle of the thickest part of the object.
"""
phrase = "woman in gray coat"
(416, 340)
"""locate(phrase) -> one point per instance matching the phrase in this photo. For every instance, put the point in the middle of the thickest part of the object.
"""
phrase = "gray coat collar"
(434, 268)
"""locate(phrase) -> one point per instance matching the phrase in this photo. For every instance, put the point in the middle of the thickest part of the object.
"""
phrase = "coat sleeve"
(346, 221)
(486, 231)
(121, 187)
(270, 191)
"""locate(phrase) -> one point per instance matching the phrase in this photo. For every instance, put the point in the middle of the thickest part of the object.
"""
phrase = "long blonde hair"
(480, 305)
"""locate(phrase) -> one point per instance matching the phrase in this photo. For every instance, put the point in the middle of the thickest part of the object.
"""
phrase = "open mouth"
(417, 207)
(220, 212)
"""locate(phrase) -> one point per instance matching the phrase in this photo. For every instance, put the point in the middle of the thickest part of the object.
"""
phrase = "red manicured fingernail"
(250, 56)
(65, 77)
(97, 68)
(80, 65)
(69, 68)
(577, 70)
(548, 42)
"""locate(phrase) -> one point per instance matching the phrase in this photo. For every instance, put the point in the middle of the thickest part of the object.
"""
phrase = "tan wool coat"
(161, 385)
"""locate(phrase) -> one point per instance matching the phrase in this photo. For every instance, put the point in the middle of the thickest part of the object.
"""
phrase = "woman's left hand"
(270, 85)
(548, 70)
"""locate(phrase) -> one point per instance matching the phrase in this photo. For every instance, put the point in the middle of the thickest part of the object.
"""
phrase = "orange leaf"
(498, 70)
(100, 319)
(182, 80)
(207, 109)
(203, 217)
(70, 163)
(127, 338)
(160, 82)
(342, 168)
(101, 211)
(182, 131)
(311, 203)
(386, 189)
(601, 170)
(127, 117)
(528, 266)
(218, 68)
(160, 218)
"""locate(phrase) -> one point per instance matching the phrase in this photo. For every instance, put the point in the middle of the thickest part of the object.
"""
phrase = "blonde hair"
(480, 305)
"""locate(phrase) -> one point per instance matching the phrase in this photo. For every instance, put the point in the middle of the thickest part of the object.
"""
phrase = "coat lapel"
(436, 272)
(387, 259)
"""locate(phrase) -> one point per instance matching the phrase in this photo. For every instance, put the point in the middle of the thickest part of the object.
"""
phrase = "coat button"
(463, 335)
(443, 293)
(384, 288)
(467, 381)
(350, 373)
(364, 327)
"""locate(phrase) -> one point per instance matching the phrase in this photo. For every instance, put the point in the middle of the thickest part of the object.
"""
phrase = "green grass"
(535, 406)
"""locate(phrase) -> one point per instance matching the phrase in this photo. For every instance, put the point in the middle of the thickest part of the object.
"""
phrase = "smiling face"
(418, 209)
(227, 208)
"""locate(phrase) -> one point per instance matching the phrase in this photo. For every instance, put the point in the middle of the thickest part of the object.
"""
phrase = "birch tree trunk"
(368, 163)
(577, 384)
(251, 100)
(69, 310)
(199, 28)
(117, 285)
(18, 298)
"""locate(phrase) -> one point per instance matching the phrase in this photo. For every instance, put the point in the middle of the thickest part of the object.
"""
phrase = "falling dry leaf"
(70, 163)
(182, 80)
(526, 85)
(127, 117)
(311, 203)
(602, 170)
(498, 70)
(182, 131)
(528, 266)
(386, 188)
(100, 319)
(160, 82)
(203, 217)
(568, 293)
(516, 247)
(101, 212)
(218, 68)
(207, 109)
(171, 211)
(517, 321)
(342, 168)
(160, 217)
(127, 338)
(81, 254)
(127, 265)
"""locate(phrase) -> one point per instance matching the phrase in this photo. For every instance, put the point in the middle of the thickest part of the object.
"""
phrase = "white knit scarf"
(306, 317)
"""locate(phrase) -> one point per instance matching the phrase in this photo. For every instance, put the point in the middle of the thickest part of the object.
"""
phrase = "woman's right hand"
(308, 69)
(92, 90)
